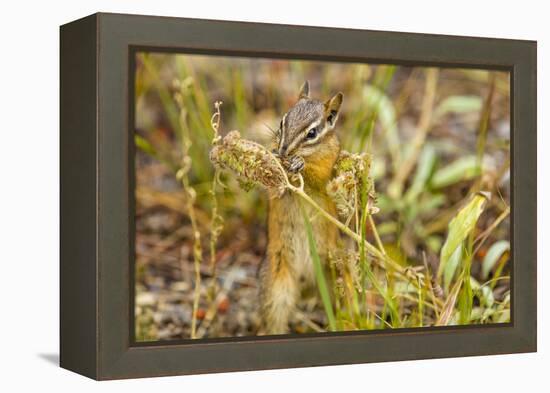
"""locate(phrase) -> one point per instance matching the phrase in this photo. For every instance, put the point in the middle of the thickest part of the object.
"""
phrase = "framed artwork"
(241, 196)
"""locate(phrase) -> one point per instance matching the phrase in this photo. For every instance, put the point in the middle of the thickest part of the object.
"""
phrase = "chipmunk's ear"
(304, 90)
(332, 108)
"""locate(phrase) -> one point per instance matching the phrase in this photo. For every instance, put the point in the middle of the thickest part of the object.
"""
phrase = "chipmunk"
(307, 142)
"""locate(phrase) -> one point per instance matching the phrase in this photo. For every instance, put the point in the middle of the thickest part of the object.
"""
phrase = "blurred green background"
(436, 136)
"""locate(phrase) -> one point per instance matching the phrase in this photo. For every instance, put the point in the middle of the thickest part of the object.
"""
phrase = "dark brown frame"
(97, 161)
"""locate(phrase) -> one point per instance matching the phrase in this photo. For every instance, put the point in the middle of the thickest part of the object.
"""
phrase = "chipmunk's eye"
(312, 133)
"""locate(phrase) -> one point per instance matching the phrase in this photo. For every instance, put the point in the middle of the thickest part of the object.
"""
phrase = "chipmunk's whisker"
(272, 131)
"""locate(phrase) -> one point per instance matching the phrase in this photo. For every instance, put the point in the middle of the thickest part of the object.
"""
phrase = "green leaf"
(458, 104)
(487, 296)
(144, 145)
(434, 243)
(431, 203)
(319, 275)
(460, 226)
(424, 168)
(494, 254)
(451, 268)
(466, 297)
(484, 293)
(465, 168)
(425, 205)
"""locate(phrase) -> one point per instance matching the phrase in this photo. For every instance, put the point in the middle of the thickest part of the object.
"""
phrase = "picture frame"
(97, 203)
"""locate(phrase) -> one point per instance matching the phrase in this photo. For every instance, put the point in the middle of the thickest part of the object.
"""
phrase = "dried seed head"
(251, 162)
(336, 260)
(351, 179)
(340, 287)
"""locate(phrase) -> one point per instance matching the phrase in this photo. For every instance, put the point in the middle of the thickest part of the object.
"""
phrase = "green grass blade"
(389, 301)
(319, 275)
(420, 304)
(164, 94)
(451, 268)
(466, 297)
(145, 146)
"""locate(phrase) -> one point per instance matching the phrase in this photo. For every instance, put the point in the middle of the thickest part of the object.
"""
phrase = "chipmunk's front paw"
(296, 164)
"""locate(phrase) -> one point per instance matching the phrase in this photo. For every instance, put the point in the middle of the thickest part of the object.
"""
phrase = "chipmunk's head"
(307, 126)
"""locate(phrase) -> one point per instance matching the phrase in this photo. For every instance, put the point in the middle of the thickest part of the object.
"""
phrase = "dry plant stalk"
(346, 265)
(216, 221)
(190, 193)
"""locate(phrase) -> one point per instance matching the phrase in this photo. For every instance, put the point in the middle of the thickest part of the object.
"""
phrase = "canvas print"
(288, 196)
